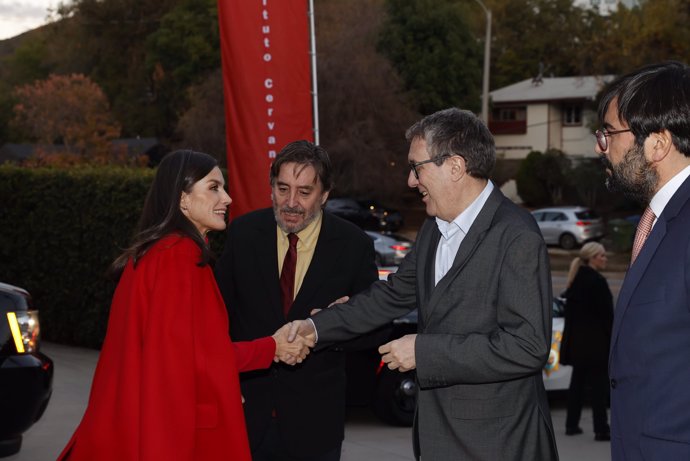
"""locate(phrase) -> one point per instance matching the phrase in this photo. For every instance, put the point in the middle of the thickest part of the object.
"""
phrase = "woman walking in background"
(166, 385)
(586, 338)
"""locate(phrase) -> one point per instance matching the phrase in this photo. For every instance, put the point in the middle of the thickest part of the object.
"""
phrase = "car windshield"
(586, 214)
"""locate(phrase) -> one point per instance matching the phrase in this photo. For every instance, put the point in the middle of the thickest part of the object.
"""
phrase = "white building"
(546, 113)
(605, 6)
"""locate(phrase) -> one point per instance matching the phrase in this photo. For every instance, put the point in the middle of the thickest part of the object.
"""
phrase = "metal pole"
(314, 87)
(487, 60)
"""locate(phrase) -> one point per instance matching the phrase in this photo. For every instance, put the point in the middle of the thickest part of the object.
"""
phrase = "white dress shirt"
(661, 198)
(453, 233)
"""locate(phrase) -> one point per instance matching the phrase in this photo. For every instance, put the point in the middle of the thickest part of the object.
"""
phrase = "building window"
(572, 115)
(508, 120)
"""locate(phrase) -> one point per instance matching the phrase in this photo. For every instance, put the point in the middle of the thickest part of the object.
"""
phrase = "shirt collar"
(308, 235)
(663, 196)
(464, 220)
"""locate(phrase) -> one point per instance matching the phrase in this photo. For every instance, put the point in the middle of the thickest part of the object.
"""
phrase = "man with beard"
(645, 144)
(293, 413)
(479, 277)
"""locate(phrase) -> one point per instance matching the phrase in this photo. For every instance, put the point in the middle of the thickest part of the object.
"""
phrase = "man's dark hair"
(457, 132)
(305, 153)
(652, 99)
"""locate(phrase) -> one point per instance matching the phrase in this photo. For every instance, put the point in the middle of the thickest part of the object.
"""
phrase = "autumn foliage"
(70, 111)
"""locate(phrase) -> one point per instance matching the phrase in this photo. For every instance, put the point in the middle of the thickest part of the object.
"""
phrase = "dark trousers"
(272, 448)
(596, 377)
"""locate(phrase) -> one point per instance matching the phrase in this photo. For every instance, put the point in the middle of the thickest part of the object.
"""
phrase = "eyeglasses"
(414, 165)
(602, 137)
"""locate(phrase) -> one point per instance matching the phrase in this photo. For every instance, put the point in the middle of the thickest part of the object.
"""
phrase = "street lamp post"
(487, 60)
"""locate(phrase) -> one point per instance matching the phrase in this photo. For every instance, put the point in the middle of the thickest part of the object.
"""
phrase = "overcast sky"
(17, 16)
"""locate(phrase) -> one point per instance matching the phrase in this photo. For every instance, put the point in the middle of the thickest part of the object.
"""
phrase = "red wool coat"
(166, 385)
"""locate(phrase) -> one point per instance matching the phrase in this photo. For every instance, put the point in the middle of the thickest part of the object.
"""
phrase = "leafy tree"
(533, 36)
(542, 178)
(363, 110)
(202, 126)
(69, 110)
(106, 39)
(589, 178)
(435, 53)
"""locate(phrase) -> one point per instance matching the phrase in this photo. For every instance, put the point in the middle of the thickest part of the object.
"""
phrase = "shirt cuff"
(316, 333)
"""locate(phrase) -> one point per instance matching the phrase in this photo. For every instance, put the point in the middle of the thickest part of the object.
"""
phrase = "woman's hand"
(293, 352)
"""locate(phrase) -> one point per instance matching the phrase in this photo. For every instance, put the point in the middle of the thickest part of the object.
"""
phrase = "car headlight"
(25, 330)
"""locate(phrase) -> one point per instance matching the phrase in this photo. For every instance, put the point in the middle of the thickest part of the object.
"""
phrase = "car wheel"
(9, 447)
(567, 241)
(396, 397)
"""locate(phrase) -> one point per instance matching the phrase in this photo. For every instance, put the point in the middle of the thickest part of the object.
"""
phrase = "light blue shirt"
(453, 233)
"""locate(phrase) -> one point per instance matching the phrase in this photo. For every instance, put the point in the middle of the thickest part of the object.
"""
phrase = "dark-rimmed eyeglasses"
(602, 137)
(414, 165)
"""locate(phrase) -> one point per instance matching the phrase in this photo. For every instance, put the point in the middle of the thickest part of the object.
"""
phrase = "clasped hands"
(292, 350)
(398, 354)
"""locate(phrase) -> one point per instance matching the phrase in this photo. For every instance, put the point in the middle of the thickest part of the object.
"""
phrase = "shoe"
(602, 436)
(573, 431)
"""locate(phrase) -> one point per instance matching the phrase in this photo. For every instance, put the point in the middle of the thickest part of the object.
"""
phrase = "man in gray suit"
(479, 275)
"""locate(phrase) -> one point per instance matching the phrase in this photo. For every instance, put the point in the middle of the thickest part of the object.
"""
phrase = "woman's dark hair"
(161, 216)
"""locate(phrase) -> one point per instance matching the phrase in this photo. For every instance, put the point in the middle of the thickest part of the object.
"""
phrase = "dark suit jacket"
(588, 320)
(309, 399)
(650, 345)
(484, 334)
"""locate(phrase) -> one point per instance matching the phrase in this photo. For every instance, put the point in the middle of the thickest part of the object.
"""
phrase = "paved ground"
(365, 437)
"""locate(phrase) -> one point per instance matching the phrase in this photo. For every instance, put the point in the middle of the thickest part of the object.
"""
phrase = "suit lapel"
(428, 239)
(639, 267)
(469, 245)
(265, 242)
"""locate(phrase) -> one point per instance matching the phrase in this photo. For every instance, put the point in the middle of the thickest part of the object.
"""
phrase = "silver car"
(390, 248)
(568, 226)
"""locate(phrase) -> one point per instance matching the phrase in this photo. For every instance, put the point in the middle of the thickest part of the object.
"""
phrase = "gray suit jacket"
(484, 335)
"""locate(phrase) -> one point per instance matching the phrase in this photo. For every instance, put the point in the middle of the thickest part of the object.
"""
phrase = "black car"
(391, 394)
(367, 214)
(26, 375)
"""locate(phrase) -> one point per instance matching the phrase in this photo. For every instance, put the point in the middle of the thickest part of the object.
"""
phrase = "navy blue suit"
(650, 347)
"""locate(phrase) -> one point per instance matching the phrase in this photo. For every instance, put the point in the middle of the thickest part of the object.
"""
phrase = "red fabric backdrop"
(267, 86)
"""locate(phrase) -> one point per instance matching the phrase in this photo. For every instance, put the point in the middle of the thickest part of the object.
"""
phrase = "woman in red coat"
(166, 385)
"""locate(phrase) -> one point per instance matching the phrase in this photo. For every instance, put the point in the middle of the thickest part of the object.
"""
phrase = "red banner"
(267, 86)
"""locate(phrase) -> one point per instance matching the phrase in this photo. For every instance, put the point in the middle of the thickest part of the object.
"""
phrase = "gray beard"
(308, 219)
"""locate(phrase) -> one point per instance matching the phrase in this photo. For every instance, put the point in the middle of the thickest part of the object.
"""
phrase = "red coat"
(166, 384)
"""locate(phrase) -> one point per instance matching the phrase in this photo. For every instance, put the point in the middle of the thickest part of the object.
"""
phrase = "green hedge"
(60, 231)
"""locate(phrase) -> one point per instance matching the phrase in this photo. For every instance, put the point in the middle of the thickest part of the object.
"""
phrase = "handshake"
(295, 339)
(293, 345)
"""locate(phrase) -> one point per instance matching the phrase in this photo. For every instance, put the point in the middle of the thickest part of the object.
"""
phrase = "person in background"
(586, 338)
(166, 385)
(479, 276)
(279, 264)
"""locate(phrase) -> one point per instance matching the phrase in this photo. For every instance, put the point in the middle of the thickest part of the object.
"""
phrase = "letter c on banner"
(268, 83)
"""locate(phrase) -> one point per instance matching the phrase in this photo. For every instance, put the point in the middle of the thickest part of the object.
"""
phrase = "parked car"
(26, 375)
(390, 248)
(557, 376)
(394, 394)
(367, 214)
(568, 226)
